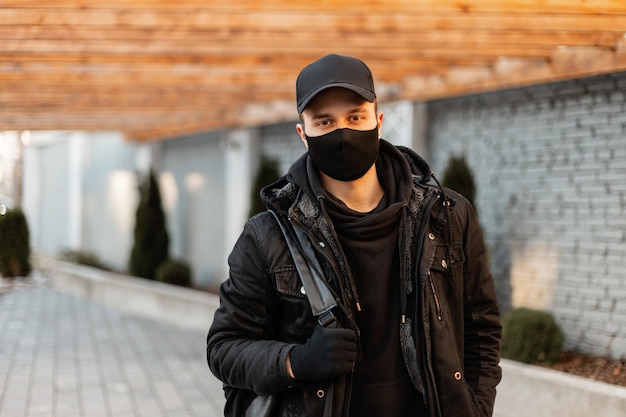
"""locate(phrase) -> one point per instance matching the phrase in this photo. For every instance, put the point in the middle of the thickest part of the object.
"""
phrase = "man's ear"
(300, 130)
(379, 118)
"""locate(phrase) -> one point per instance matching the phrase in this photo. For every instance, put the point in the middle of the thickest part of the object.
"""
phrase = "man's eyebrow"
(318, 116)
(358, 109)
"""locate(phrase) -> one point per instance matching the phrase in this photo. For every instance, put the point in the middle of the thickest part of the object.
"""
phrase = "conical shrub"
(267, 173)
(151, 240)
(459, 177)
(14, 244)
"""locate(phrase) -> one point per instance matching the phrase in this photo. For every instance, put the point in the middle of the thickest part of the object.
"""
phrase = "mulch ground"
(598, 368)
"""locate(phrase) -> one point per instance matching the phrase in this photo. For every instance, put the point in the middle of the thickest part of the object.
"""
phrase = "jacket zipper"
(436, 297)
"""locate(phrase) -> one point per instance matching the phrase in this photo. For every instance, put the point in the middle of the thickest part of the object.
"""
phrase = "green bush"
(531, 336)
(82, 257)
(14, 244)
(459, 177)
(267, 173)
(151, 241)
(174, 271)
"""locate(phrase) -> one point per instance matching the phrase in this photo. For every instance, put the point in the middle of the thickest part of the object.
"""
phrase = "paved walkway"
(65, 356)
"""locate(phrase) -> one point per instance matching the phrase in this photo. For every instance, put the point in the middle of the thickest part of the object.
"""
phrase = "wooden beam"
(417, 37)
(313, 19)
(155, 67)
(467, 6)
(393, 47)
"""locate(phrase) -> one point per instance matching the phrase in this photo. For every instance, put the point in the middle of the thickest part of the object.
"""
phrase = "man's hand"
(327, 353)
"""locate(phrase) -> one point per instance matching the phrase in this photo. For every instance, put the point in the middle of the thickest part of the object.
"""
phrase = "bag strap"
(320, 297)
(310, 271)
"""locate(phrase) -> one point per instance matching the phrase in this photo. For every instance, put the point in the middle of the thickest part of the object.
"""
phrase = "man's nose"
(342, 124)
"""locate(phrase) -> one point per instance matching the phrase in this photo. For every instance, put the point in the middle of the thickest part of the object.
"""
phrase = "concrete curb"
(525, 390)
(528, 390)
(185, 307)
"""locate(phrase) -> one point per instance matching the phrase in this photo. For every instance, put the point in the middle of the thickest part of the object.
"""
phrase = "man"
(419, 330)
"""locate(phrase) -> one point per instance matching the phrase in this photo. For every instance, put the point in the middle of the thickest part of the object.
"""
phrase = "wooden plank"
(125, 103)
(102, 70)
(32, 65)
(418, 36)
(177, 59)
(226, 50)
(42, 118)
(254, 43)
(355, 20)
(149, 79)
(467, 6)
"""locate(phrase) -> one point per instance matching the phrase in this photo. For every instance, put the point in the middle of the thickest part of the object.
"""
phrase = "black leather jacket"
(450, 332)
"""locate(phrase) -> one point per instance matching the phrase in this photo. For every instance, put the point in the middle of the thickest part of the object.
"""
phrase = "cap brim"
(363, 92)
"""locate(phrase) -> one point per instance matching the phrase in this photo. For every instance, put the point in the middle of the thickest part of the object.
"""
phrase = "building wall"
(108, 195)
(550, 168)
(192, 180)
(50, 227)
(9, 159)
(80, 193)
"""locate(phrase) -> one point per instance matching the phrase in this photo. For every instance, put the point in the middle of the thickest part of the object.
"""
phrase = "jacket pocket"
(442, 265)
(288, 282)
(435, 295)
(293, 305)
(443, 276)
(441, 262)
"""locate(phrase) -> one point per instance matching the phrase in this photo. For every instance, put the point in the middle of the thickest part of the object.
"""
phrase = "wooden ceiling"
(156, 69)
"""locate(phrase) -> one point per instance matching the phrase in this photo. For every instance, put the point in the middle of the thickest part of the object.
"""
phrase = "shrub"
(459, 177)
(174, 271)
(83, 258)
(14, 244)
(267, 173)
(151, 241)
(531, 336)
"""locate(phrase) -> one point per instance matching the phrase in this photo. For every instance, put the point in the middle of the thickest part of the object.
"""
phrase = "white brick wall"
(550, 169)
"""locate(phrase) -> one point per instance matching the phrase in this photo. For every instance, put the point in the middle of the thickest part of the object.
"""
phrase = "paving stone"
(66, 356)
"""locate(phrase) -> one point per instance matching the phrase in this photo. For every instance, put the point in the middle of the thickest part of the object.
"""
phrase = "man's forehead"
(334, 95)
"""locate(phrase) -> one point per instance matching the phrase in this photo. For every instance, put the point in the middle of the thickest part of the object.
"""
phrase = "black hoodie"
(381, 384)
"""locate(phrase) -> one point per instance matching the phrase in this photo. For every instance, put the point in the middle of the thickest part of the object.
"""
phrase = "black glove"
(327, 353)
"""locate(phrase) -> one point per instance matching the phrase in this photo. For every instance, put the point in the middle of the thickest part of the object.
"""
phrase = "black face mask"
(344, 154)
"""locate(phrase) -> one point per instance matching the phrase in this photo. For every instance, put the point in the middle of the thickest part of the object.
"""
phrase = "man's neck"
(361, 195)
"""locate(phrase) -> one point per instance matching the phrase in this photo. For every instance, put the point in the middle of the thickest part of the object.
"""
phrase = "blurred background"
(527, 95)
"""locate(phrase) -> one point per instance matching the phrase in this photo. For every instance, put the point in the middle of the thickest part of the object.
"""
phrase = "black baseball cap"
(334, 71)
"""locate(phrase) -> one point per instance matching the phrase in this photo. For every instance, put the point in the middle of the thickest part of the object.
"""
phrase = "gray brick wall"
(550, 168)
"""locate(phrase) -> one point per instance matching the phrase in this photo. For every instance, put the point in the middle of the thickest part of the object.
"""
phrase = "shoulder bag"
(320, 298)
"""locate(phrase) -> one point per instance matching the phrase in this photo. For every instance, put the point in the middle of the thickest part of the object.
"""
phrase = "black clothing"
(429, 327)
(370, 243)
